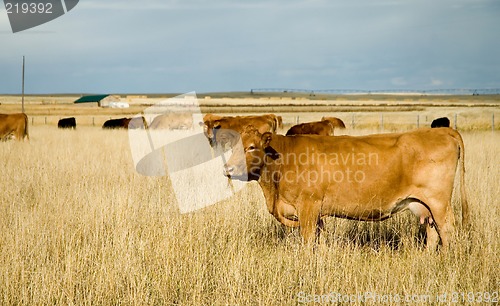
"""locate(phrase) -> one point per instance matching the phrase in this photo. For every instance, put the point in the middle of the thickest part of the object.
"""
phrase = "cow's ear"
(266, 139)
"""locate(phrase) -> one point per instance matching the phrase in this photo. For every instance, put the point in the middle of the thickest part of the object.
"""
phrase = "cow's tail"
(26, 134)
(463, 193)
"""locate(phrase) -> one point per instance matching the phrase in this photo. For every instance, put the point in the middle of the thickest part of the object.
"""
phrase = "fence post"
(353, 123)
(455, 121)
(32, 120)
(45, 120)
(93, 122)
(381, 122)
(418, 121)
(297, 120)
(493, 122)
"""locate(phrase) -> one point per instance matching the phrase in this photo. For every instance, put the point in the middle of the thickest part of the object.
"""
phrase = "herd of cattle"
(308, 173)
(15, 126)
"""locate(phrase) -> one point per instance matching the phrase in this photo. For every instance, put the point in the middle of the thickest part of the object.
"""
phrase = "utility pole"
(22, 99)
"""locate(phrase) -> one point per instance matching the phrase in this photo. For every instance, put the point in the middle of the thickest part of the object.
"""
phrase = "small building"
(99, 100)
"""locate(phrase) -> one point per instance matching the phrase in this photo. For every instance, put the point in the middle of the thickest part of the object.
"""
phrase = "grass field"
(78, 226)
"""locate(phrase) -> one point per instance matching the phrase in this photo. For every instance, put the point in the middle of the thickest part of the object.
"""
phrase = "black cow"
(67, 123)
(121, 123)
(440, 122)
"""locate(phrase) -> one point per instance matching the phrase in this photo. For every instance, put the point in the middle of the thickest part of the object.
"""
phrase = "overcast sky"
(160, 46)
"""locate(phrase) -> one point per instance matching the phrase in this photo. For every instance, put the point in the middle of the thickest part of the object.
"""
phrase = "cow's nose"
(228, 170)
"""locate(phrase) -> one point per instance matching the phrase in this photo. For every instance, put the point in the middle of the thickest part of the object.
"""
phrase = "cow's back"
(323, 128)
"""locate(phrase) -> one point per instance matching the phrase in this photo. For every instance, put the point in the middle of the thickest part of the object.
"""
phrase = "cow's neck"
(270, 175)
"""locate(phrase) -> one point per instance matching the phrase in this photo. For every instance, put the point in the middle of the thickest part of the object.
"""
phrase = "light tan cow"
(325, 127)
(173, 121)
(14, 126)
(216, 127)
(307, 177)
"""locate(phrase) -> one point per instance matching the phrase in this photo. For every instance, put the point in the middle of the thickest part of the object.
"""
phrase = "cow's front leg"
(310, 223)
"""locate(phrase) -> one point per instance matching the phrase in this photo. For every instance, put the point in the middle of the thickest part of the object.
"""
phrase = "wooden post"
(381, 122)
(493, 122)
(455, 121)
(418, 121)
(353, 123)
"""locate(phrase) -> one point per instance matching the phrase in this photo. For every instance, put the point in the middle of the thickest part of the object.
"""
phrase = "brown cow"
(214, 123)
(336, 122)
(14, 126)
(325, 127)
(307, 177)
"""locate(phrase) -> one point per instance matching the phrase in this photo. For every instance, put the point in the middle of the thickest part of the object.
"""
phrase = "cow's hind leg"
(438, 220)
(444, 222)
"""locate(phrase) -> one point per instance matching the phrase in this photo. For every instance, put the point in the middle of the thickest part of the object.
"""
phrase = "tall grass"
(79, 226)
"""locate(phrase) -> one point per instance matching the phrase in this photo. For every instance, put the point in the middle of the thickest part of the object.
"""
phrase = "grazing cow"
(325, 127)
(440, 122)
(67, 123)
(214, 123)
(121, 123)
(367, 178)
(14, 126)
(173, 121)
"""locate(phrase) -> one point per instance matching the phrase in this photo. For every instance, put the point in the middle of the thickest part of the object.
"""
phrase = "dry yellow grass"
(78, 226)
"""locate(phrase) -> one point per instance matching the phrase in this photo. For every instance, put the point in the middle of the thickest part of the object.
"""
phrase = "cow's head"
(248, 158)
(210, 121)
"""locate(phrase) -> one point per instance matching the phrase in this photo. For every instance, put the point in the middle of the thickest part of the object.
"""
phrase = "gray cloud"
(181, 46)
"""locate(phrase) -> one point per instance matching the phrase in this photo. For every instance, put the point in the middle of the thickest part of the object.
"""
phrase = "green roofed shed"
(94, 98)
(101, 100)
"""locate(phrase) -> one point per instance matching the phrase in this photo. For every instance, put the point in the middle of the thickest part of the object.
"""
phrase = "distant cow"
(440, 122)
(67, 123)
(121, 123)
(325, 127)
(173, 121)
(13, 126)
(137, 123)
(336, 122)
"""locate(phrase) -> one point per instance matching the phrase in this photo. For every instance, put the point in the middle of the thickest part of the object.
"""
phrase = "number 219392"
(28, 8)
